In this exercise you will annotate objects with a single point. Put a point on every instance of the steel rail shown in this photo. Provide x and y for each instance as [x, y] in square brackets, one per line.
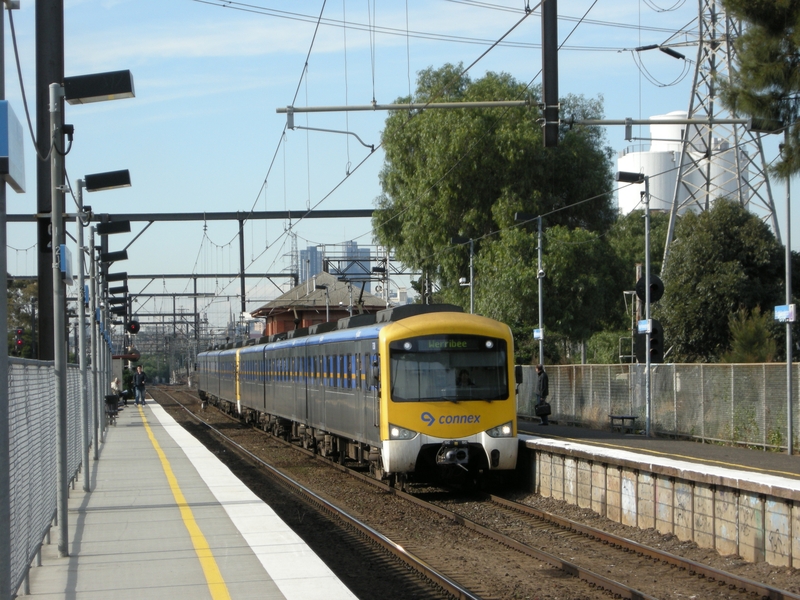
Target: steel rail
[417, 564]
[622, 590]
[590, 577]
[691, 566]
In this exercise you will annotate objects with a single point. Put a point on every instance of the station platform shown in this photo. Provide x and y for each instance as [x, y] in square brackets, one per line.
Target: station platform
[738, 501]
[166, 519]
[746, 460]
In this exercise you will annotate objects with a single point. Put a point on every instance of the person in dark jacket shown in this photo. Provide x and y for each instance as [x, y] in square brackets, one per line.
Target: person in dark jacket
[139, 381]
[542, 390]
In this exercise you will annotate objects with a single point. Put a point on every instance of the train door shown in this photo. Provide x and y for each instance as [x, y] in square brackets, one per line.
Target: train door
[237, 381]
[369, 395]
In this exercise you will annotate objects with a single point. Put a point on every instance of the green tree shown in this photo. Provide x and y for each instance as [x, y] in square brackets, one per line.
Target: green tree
[582, 284]
[22, 295]
[765, 83]
[627, 240]
[721, 260]
[752, 340]
[466, 173]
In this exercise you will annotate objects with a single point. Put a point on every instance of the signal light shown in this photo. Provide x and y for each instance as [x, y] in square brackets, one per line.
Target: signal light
[19, 342]
[133, 327]
[656, 343]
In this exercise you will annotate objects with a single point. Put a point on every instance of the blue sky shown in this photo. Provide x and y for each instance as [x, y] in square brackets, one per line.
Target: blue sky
[203, 135]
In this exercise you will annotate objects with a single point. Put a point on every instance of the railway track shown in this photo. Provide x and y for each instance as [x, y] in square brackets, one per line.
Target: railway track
[515, 534]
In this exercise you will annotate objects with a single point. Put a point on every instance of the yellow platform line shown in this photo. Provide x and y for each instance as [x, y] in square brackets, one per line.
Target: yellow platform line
[216, 584]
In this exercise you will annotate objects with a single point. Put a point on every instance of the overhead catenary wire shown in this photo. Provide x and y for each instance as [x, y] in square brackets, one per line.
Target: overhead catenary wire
[374, 29]
[252, 8]
[290, 228]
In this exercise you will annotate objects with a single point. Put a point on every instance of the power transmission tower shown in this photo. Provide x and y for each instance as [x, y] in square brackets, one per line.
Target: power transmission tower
[294, 256]
[718, 160]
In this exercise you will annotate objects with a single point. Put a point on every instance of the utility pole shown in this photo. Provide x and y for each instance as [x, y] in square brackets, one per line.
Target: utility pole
[49, 69]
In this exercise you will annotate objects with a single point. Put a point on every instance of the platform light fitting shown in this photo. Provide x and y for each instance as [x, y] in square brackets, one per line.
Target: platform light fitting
[119, 310]
[629, 177]
[122, 289]
[108, 257]
[107, 181]
[122, 300]
[113, 227]
[97, 87]
[117, 276]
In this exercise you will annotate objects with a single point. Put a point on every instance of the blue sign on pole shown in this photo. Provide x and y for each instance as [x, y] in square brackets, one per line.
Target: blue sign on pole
[12, 156]
[785, 313]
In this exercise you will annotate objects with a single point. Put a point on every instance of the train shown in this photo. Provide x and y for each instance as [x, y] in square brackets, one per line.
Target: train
[411, 393]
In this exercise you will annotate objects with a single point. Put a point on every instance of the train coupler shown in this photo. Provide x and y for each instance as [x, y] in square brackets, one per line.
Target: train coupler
[454, 452]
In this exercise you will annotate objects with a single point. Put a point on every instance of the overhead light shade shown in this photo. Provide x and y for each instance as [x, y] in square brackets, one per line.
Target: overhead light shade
[629, 177]
[122, 300]
[107, 181]
[117, 277]
[122, 289]
[759, 125]
[113, 227]
[108, 257]
[118, 310]
[98, 87]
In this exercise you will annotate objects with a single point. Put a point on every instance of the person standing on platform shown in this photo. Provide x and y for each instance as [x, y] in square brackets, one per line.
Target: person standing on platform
[542, 391]
[139, 381]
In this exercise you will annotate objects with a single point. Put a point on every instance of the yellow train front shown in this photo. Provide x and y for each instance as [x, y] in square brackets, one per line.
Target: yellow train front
[447, 396]
[413, 392]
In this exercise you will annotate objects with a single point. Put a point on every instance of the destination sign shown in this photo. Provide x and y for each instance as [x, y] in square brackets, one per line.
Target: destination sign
[448, 343]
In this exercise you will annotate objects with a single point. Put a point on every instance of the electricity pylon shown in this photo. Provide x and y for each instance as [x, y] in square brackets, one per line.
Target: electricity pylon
[718, 160]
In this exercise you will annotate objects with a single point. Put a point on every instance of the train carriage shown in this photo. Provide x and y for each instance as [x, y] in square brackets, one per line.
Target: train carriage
[414, 391]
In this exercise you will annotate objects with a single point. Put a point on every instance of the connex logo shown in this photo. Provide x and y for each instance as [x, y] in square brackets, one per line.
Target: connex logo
[450, 419]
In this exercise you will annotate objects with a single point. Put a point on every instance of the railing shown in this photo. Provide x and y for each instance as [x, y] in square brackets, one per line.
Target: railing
[721, 403]
[33, 454]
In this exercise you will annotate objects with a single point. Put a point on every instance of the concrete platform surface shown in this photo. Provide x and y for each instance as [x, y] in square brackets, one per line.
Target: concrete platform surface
[167, 520]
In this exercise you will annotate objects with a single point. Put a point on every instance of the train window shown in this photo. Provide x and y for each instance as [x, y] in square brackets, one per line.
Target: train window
[349, 382]
[337, 369]
[328, 370]
[448, 368]
[358, 372]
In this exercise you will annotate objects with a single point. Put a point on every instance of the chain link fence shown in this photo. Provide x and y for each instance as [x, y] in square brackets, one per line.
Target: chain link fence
[721, 403]
[33, 454]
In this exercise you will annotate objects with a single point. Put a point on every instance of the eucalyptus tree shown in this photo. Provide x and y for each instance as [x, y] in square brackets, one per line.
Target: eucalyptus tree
[466, 172]
[722, 260]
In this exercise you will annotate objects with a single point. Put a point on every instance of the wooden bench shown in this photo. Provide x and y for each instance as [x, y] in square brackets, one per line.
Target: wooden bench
[625, 423]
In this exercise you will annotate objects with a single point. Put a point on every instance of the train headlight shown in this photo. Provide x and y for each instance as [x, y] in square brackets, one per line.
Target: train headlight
[398, 433]
[489, 344]
[501, 431]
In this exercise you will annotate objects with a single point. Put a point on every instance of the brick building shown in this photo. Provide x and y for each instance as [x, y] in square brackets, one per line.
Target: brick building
[319, 299]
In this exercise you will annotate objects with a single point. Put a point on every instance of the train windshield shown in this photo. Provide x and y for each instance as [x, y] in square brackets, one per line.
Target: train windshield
[448, 368]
